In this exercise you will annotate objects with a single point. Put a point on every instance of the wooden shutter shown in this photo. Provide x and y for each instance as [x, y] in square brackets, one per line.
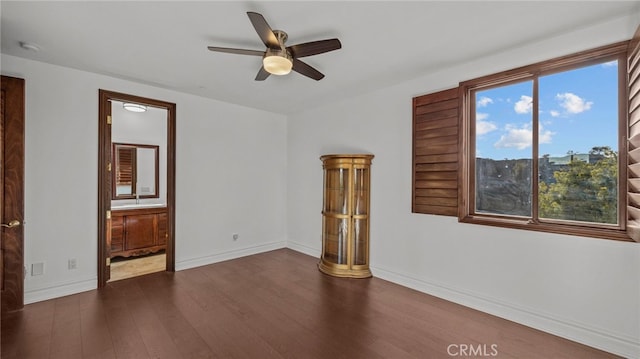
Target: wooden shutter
[125, 164]
[633, 157]
[435, 153]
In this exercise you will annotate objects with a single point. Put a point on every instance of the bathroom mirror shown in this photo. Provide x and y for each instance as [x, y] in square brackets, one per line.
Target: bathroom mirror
[135, 172]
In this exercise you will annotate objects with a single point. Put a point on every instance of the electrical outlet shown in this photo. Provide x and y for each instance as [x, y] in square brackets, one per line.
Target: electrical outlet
[72, 263]
[235, 236]
[37, 269]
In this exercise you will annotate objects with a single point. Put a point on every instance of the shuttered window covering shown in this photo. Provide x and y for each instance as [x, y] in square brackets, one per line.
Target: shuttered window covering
[435, 153]
[124, 169]
[633, 157]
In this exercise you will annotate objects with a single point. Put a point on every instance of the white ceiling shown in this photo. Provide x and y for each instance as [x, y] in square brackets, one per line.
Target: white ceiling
[383, 42]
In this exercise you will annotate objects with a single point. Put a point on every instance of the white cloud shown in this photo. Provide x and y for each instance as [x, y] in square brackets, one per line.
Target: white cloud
[544, 136]
[524, 105]
[554, 113]
[573, 103]
[613, 63]
[484, 127]
[484, 101]
[521, 138]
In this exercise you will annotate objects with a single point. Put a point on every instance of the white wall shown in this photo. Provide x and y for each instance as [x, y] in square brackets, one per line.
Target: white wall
[580, 288]
[231, 176]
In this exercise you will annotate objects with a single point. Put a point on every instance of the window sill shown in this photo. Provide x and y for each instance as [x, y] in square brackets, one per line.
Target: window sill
[525, 224]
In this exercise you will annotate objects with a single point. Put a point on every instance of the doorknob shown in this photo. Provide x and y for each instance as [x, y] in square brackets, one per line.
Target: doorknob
[14, 223]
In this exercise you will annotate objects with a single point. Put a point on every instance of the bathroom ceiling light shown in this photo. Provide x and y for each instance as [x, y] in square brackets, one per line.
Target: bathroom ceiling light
[134, 107]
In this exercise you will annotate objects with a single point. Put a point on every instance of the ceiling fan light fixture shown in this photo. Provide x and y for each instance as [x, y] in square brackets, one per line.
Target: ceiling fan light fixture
[277, 64]
[134, 107]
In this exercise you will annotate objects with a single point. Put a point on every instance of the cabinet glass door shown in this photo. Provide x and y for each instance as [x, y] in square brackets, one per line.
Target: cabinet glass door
[360, 241]
[360, 191]
[336, 187]
[335, 238]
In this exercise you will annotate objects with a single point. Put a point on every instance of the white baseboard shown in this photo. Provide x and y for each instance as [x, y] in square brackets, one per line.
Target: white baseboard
[227, 255]
[60, 290]
[618, 344]
[303, 248]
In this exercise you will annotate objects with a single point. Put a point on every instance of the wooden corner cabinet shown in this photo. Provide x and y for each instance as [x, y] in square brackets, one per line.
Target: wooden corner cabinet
[137, 232]
[345, 215]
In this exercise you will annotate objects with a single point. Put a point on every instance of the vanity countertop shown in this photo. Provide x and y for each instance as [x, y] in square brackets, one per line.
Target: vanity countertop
[137, 206]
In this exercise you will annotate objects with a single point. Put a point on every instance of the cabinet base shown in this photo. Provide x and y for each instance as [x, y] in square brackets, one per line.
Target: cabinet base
[345, 273]
[138, 252]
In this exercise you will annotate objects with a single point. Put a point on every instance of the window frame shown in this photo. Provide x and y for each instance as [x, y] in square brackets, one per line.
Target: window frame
[466, 206]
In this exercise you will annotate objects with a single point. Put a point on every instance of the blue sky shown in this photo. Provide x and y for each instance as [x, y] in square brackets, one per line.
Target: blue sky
[578, 111]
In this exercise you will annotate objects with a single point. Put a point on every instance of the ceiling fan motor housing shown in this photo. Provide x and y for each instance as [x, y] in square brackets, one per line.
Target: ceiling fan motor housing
[281, 36]
[278, 52]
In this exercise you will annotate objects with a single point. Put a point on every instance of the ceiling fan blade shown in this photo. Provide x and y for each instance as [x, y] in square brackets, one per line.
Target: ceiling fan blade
[314, 47]
[306, 70]
[264, 30]
[236, 51]
[262, 74]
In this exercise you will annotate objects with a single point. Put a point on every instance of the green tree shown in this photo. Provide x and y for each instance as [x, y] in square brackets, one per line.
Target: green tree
[583, 191]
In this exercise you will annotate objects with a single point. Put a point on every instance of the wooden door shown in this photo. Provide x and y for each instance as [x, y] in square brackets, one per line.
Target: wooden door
[12, 193]
[108, 234]
[105, 167]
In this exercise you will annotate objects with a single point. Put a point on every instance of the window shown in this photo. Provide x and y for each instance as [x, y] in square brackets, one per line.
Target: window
[543, 147]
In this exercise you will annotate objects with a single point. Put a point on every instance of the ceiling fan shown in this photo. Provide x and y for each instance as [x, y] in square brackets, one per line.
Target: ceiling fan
[278, 59]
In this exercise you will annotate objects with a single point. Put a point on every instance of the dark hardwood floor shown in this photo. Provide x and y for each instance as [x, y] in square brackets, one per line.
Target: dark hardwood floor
[270, 305]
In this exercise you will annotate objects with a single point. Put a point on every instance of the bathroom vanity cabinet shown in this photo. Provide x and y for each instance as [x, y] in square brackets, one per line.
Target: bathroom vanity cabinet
[138, 231]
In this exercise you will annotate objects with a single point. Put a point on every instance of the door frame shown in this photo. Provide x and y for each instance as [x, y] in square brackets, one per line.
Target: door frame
[104, 176]
[12, 203]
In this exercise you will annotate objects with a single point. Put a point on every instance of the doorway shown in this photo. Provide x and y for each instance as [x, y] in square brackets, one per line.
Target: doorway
[136, 190]
[12, 142]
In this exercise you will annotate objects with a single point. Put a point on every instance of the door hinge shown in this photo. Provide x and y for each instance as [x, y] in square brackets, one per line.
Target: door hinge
[109, 167]
[108, 261]
[108, 119]
[109, 214]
